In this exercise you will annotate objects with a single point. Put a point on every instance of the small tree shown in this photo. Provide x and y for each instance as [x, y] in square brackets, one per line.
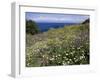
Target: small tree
[31, 27]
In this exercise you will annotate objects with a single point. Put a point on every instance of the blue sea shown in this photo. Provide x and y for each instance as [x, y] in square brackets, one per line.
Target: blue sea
[46, 26]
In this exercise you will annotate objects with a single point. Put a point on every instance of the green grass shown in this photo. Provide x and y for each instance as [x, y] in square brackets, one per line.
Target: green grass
[62, 46]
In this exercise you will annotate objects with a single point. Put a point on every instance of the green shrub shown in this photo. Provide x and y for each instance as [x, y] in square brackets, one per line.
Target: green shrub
[31, 27]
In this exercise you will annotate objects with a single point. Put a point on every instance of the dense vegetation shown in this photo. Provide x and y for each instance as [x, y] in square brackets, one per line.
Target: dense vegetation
[62, 46]
[31, 27]
[86, 21]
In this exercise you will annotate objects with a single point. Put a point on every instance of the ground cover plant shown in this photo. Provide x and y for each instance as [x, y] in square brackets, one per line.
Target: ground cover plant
[67, 45]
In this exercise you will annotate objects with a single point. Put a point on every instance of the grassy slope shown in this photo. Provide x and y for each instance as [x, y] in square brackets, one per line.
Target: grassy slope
[63, 46]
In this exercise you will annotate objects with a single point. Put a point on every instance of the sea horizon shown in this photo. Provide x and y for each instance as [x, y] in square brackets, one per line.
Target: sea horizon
[43, 27]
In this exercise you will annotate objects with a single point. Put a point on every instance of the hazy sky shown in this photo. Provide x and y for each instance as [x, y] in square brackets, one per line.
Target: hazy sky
[55, 18]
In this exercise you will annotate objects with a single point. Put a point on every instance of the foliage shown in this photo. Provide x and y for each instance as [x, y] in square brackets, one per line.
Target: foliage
[31, 27]
[86, 21]
[62, 46]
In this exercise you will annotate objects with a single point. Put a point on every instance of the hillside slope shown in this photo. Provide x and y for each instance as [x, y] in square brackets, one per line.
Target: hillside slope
[63, 46]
